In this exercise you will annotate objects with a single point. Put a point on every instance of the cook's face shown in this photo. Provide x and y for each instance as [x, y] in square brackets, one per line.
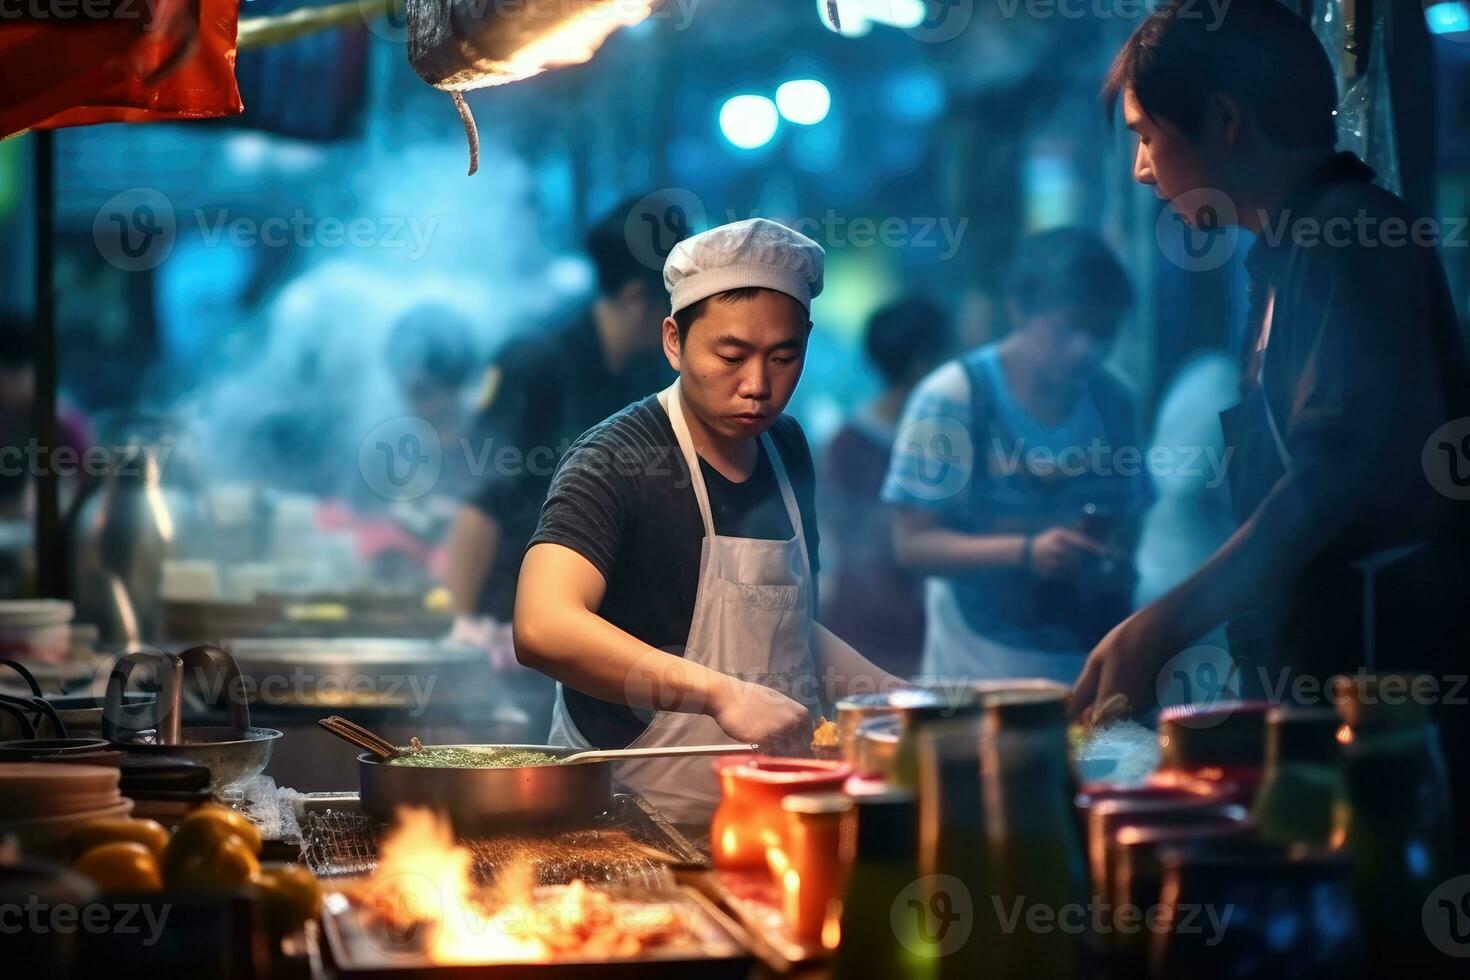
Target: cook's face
[740, 362]
[1167, 159]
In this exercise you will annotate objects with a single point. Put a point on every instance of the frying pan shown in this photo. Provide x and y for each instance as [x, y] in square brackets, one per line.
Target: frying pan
[572, 792]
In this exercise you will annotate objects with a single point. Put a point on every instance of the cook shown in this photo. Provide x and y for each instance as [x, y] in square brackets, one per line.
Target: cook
[1351, 552]
[670, 585]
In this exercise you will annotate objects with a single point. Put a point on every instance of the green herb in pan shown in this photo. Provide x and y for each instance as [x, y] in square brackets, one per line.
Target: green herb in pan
[448, 757]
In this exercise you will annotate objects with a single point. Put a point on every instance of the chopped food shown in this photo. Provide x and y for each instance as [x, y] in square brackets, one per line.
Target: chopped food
[450, 757]
[825, 736]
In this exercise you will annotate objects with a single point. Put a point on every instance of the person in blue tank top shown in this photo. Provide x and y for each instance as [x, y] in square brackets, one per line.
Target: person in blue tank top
[1017, 480]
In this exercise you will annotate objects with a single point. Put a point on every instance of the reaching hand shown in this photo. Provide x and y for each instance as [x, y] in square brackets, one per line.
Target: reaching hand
[1123, 669]
[750, 713]
[1059, 553]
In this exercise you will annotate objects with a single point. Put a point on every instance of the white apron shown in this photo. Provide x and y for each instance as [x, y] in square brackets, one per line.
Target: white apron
[752, 620]
[953, 651]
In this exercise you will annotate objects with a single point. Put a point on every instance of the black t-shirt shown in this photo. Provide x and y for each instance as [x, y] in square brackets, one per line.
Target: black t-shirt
[622, 499]
[549, 388]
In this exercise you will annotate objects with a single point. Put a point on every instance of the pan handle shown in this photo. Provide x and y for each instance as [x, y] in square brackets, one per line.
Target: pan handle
[620, 755]
[351, 731]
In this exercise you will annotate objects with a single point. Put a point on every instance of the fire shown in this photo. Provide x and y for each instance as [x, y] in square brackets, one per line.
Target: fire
[424, 878]
[573, 42]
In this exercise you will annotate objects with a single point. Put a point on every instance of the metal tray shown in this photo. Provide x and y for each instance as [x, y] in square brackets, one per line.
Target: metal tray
[349, 951]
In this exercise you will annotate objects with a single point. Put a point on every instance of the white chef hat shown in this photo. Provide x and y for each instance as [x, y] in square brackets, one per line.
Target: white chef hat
[754, 252]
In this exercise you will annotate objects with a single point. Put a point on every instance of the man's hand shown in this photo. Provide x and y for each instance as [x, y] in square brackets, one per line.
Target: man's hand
[751, 713]
[1059, 553]
[1127, 662]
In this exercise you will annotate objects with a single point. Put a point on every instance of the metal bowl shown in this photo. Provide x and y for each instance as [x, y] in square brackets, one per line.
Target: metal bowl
[231, 754]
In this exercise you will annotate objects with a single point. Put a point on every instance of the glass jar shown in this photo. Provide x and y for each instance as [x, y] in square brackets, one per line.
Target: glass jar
[878, 936]
[1136, 877]
[1303, 779]
[1248, 908]
[1400, 853]
[952, 842]
[815, 862]
[1033, 861]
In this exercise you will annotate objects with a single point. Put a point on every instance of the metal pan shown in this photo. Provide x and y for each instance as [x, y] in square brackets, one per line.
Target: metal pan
[476, 798]
[573, 792]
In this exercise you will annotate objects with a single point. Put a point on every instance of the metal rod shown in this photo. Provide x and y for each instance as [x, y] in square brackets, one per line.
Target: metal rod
[50, 565]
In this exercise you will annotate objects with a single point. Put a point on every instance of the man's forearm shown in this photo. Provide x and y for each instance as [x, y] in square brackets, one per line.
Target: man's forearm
[586, 652]
[842, 671]
[1261, 558]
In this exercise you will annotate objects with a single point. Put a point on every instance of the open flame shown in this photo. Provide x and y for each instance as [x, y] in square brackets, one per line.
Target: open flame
[424, 879]
[571, 42]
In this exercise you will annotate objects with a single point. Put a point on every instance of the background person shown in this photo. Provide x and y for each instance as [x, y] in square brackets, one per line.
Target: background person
[1027, 543]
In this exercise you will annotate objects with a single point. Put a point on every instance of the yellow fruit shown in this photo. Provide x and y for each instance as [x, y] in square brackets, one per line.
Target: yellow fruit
[121, 866]
[233, 819]
[207, 855]
[149, 833]
[292, 895]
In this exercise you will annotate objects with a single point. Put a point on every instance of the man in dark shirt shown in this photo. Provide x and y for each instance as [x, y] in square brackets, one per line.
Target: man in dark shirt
[1351, 549]
[544, 390]
[670, 585]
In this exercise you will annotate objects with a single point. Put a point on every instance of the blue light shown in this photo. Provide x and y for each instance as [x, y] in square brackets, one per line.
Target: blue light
[1448, 18]
[804, 101]
[749, 121]
[916, 94]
